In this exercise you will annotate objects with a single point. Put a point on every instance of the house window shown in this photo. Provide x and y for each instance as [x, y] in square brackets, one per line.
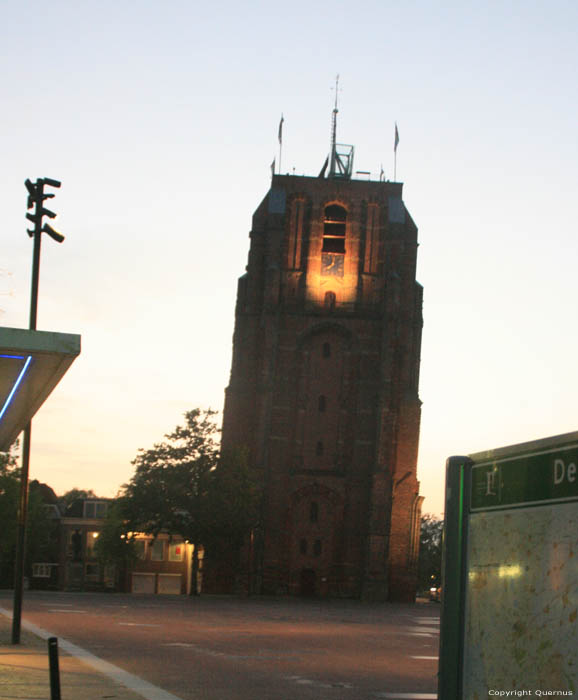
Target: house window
[334, 229]
[303, 546]
[176, 551]
[95, 509]
[41, 570]
[321, 403]
[91, 538]
[91, 572]
[326, 350]
[319, 448]
[157, 550]
[314, 512]
[140, 548]
[317, 548]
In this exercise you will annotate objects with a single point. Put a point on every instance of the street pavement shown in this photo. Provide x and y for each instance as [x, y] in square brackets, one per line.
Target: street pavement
[213, 648]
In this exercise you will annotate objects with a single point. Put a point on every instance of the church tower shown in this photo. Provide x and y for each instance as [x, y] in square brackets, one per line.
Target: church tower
[324, 385]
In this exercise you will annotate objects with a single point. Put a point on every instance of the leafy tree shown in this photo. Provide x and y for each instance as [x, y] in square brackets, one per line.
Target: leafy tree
[76, 494]
[114, 546]
[170, 487]
[430, 552]
[234, 498]
[38, 527]
[184, 486]
[9, 500]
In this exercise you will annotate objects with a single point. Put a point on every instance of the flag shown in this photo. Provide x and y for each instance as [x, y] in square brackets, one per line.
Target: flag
[281, 130]
[396, 138]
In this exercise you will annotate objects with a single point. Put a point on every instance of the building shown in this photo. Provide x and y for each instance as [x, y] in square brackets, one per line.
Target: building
[70, 561]
[324, 385]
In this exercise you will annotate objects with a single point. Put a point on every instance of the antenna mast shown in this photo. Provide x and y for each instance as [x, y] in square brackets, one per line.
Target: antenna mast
[334, 130]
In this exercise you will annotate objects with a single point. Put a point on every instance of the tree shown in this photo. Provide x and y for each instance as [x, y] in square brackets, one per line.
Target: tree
[9, 499]
[184, 486]
[38, 527]
[169, 491]
[430, 552]
[76, 494]
[115, 546]
[234, 498]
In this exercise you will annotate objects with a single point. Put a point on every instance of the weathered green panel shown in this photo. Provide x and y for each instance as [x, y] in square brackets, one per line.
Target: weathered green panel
[526, 480]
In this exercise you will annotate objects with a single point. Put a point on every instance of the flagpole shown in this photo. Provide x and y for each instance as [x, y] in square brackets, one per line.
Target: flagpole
[280, 136]
[395, 142]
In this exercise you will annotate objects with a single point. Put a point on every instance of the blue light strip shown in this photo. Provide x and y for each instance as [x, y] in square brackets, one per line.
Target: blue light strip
[16, 383]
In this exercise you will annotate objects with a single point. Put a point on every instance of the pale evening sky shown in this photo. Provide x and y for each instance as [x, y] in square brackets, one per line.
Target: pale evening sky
[161, 119]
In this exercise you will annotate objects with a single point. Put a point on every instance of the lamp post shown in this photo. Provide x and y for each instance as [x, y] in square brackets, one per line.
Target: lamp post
[36, 197]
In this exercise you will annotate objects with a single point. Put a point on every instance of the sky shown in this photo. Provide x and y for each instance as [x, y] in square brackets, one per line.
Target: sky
[161, 122]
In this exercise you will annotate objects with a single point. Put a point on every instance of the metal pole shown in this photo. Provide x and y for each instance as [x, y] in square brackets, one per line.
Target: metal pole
[54, 668]
[23, 503]
[35, 276]
[21, 538]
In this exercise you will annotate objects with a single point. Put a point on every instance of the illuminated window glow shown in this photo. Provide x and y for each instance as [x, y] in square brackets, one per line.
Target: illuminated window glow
[17, 382]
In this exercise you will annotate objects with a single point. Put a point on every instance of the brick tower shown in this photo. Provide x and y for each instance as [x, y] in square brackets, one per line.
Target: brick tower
[324, 385]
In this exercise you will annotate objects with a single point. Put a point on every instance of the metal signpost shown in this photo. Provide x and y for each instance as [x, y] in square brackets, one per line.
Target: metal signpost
[36, 197]
[510, 572]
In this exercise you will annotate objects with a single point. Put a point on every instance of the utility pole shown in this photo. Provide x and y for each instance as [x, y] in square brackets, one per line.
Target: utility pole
[36, 197]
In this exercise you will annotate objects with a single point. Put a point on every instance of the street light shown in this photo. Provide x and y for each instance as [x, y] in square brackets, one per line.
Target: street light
[36, 197]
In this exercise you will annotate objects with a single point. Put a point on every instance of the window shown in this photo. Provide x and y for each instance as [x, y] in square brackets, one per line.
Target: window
[157, 550]
[91, 572]
[95, 509]
[41, 570]
[303, 546]
[317, 548]
[321, 404]
[334, 229]
[176, 551]
[329, 301]
[319, 448]
[140, 548]
[326, 350]
[91, 538]
[314, 512]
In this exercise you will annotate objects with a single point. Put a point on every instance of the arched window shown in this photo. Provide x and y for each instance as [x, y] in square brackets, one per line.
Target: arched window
[314, 512]
[329, 301]
[334, 229]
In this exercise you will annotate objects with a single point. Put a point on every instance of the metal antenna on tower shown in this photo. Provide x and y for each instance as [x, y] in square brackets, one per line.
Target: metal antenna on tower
[334, 130]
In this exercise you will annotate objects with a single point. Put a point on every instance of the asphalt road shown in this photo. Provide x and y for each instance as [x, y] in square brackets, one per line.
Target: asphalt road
[224, 648]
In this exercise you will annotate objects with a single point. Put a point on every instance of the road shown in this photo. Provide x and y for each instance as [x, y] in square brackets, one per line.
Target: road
[224, 648]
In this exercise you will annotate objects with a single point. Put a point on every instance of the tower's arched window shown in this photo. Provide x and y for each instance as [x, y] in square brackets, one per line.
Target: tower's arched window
[334, 229]
[329, 301]
[314, 512]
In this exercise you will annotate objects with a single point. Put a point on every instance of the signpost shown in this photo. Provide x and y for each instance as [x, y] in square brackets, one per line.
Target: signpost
[510, 572]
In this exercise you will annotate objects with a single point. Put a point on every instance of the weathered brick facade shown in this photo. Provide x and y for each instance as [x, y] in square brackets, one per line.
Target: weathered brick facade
[324, 388]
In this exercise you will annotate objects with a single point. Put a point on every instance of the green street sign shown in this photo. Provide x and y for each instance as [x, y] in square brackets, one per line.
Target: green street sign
[529, 479]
